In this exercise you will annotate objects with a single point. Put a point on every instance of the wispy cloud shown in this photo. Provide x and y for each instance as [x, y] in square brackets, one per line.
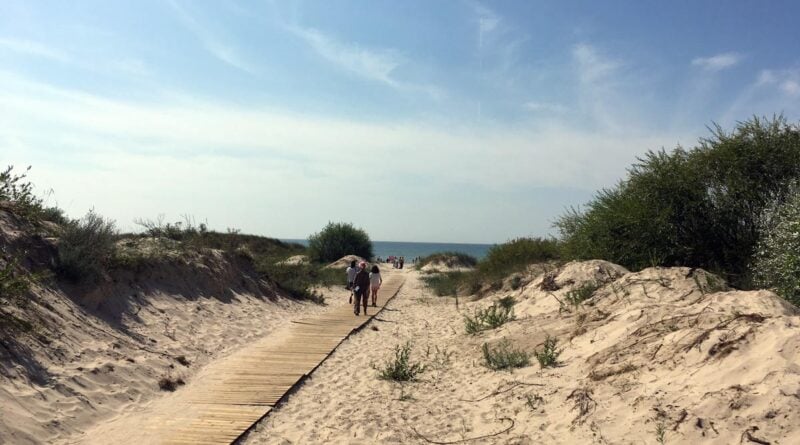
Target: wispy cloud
[32, 48]
[223, 51]
[772, 91]
[544, 107]
[487, 21]
[718, 62]
[373, 64]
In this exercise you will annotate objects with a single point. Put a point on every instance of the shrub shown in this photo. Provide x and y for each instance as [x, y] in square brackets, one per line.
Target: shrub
[492, 317]
[13, 188]
[54, 214]
[447, 283]
[504, 356]
[85, 247]
[515, 255]
[13, 282]
[337, 240]
[548, 356]
[776, 262]
[299, 279]
[450, 259]
[577, 296]
[696, 208]
[401, 369]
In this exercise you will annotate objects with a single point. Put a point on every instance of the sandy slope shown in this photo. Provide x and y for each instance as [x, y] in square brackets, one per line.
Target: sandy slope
[661, 349]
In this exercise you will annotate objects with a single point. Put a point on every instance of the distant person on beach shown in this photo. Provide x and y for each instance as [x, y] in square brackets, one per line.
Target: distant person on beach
[375, 282]
[402, 260]
[351, 276]
[361, 288]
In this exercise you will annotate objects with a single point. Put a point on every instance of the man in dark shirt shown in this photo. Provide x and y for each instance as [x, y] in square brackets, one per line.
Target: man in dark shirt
[361, 287]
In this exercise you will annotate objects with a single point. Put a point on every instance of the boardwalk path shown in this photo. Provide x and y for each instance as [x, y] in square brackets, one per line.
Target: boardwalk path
[247, 388]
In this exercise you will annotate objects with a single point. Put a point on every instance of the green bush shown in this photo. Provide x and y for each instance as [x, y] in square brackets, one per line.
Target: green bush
[14, 280]
[776, 263]
[697, 208]
[491, 317]
[451, 259]
[504, 356]
[337, 240]
[299, 279]
[548, 356]
[14, 189]
[504, 259]
[85, 247]
[448, 283]
[401, 369]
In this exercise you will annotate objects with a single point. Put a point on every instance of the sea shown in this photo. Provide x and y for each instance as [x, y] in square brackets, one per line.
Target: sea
[409, 250]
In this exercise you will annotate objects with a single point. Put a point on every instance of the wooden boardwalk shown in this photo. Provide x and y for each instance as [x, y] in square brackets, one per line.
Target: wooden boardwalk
[246, 390]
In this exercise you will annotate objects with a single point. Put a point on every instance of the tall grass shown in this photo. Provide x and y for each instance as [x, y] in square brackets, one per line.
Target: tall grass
[85, 247]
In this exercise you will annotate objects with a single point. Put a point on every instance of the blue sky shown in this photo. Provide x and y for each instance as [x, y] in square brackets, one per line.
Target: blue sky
[450, 121]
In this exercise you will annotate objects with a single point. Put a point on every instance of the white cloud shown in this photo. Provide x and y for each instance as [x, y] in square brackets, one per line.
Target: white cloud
[33, 49]
[791, 87]
[593, 66]
[373, 64]
[718, 62]
[223, 51]
[488, 21]
[544, 107]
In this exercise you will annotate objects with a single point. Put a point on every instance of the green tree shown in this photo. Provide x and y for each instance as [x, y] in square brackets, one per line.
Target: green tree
[337, 240]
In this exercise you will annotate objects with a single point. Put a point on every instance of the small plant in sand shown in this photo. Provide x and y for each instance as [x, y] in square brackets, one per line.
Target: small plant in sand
[491, 317]
[168, 383]
[548, 356]
[401, 369]
[503, 356]
[661, 432]
[576, 297]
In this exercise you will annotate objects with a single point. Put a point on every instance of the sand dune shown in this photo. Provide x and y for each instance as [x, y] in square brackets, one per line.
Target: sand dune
[663, 351]
[659, 350]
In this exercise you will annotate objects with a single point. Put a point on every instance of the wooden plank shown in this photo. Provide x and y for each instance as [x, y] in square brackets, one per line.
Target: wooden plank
[250, 385]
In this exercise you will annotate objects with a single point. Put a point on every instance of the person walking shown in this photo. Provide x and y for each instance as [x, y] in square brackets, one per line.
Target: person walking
[351, 276]
[361, 289]
[375, 282]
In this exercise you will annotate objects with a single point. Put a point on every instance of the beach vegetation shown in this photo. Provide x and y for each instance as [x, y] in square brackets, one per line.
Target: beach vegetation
[504, 356]
[400, 368]
[776, 263]
[17, 192]
[449, 283]
[448, 259]
[489, 318]
[698, 207]
[577, 296]
[516, 255]
[336, 240]
[86, 247]
[548, 356]
[502, 260]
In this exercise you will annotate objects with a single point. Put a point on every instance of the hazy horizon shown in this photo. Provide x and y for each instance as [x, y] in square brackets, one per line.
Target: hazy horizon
[447, 122]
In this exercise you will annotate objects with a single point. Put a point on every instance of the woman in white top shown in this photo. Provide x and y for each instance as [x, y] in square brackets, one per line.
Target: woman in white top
[375, 282]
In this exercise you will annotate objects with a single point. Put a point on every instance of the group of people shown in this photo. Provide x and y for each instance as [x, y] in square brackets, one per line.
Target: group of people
[397, 261]
[360, 283]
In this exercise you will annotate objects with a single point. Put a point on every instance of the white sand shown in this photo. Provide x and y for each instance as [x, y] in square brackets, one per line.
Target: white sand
[636, 358]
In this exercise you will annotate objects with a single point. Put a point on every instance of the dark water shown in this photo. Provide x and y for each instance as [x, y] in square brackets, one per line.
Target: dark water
[410, 251]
